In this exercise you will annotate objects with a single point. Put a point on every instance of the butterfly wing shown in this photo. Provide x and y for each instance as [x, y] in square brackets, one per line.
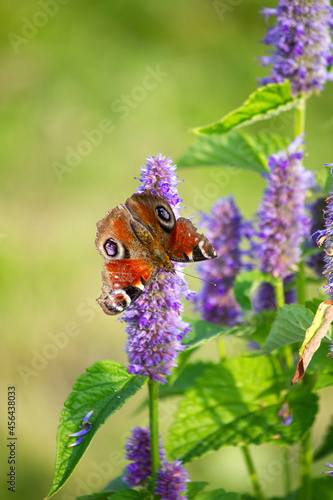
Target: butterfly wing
[185, 244]
[123, 283]
[179, 239]
[127, 269]
[154, 213]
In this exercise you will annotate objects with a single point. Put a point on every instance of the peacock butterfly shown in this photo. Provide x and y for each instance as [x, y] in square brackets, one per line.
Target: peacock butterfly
[136, 240]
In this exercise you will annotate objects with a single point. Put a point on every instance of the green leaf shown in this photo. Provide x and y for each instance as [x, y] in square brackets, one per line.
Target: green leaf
[327, 446]
[324, 180]
[128, 495]
[291, 496]
[245, 285]
[219, 494]
[201, 332]
[321, 489]
[234, 150]
[236, 403]
[193, 488]
[322, 367]
[290, 325]
[265, 102]
[313, 304]
[324, 380]
[117, 484]
[269, 143]
[101, 495]
[185, 380]
[105, 387]
[261, 324]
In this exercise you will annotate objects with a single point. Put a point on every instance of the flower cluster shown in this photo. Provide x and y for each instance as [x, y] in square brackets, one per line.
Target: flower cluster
[325, 239]
[265, 295]
[225, 229]
[138, 451]
[171, 477]
[171, 481]
[301, 40]
[316, 261]
[155, 327]
[283, 222]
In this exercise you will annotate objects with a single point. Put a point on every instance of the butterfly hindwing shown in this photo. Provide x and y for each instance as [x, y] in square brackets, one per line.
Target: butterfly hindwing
[123, 283]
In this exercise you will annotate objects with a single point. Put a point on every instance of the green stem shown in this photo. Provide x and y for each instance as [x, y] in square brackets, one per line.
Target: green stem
[306, 451]
[279, 296]
[279, 292]
[253, 474]
[153, 425]
[221, 348]
[300, 275]
[287, 481]
[300, 117]
[288, 355]
[306, 461]
[301, 284]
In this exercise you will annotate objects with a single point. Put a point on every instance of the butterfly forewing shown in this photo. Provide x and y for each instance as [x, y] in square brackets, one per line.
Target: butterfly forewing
[185, 244]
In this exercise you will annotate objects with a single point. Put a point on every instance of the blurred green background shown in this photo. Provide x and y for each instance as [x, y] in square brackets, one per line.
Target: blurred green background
[67, 67]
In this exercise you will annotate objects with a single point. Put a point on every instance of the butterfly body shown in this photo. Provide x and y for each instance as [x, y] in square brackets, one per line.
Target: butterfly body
[136, 240]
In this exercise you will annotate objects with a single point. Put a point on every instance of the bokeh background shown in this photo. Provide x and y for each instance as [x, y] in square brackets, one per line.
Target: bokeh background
[69, 68]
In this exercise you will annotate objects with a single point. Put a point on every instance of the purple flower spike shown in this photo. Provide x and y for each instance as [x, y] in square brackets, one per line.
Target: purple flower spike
[330, 472]
[85, 428]
[283, 223]
[155, 327]
[265, 296]
[138, 451]
[316, 262]
[171, 481]
[301, 41]
[225, 229]
[325, 240]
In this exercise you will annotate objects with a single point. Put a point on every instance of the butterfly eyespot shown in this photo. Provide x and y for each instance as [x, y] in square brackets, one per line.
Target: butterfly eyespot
[163, 214]
[165, 218]
[111, 247]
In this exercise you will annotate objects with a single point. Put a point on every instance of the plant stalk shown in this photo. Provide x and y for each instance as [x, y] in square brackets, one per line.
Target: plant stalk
[287, 480]
[279, 296]
[300, 117]
[153, 425]
[253, 474]
[288, 356]
[300, 275]
[221, 348]
[306, 461]
[306, 451]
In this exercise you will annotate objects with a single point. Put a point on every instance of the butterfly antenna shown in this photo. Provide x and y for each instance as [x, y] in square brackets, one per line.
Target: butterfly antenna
[197, 277]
